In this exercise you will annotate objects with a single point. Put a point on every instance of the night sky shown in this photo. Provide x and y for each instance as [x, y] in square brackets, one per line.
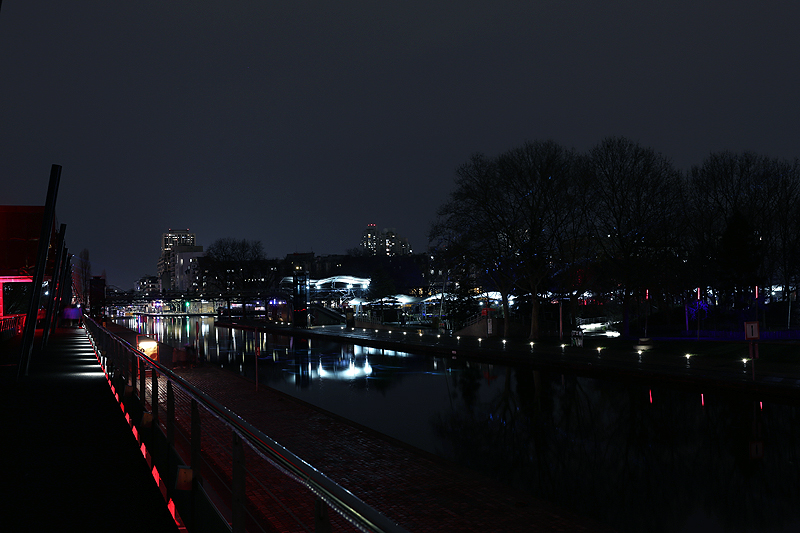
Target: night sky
[298, 123]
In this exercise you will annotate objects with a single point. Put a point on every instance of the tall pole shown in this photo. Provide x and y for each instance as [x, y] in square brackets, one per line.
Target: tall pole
[41, 265]
[55, 285]
[64, 284]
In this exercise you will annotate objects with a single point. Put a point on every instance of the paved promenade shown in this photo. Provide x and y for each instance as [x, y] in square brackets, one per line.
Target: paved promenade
[69, 461]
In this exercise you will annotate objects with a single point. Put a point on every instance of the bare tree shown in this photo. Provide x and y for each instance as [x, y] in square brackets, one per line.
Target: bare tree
[733, 219]
[476, 225]
[235, 265]
[636, 196]
[536, 179]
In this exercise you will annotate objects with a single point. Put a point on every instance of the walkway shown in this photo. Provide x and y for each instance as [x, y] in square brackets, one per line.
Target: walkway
[68, 459]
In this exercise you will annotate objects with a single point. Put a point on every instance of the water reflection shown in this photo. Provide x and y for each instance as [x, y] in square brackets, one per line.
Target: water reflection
[635, 456]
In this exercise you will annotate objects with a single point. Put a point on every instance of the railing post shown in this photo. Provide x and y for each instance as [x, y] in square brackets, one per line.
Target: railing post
[154, 405]
[170, 436]
[133, 371]
[237, 484]
[322, 522]
[195, 459]
[142, 388]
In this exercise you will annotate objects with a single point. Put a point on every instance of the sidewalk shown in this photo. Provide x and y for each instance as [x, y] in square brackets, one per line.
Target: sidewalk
[68, 458]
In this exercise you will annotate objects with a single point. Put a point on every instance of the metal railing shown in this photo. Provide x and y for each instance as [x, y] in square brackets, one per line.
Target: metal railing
[12, 323]
[250, 491]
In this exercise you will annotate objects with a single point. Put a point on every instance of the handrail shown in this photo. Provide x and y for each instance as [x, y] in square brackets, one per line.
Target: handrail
[11, 323]
[352, 508]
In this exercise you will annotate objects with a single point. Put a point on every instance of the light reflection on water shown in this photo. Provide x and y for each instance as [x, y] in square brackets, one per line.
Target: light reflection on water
[637, 456]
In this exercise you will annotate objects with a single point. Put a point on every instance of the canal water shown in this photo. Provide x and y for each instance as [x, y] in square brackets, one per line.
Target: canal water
[635, 456]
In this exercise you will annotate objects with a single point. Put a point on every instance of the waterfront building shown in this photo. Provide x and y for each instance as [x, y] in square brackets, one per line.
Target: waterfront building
[173, 243]
[146, 285]
[186, 267]
[20, 230]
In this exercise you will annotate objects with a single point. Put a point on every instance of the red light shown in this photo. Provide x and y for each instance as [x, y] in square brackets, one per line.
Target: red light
[761, 405]
[702, 400]
[651, 396]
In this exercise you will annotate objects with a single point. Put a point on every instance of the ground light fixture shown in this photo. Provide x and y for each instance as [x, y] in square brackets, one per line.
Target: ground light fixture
[147, 346]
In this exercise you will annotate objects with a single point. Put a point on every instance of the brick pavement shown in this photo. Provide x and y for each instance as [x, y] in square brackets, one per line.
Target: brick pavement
[417, 490]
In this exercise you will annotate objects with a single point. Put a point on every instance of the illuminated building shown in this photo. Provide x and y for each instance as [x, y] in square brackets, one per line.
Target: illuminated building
[177, 246]
[386, 242]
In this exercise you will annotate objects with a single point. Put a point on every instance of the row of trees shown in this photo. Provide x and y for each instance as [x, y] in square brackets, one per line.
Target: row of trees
[620, 221]
[237, 266]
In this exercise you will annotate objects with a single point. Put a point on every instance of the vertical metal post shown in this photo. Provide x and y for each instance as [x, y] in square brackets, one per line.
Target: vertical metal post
[154, 402]
[38, 273]
[195, 459]
[65, 280]
[322, 522]
[195, 441]
[55, 280]
[256, 354]
[142, 388]
[170, 436]
[237, 485]
[134, 372]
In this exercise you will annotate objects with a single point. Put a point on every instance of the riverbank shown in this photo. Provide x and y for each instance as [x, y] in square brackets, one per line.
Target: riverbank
[775, 372]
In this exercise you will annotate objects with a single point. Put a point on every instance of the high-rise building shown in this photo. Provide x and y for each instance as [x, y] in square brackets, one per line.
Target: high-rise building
[386, 242]
[369, 239]
[177, 237]
[175, 245]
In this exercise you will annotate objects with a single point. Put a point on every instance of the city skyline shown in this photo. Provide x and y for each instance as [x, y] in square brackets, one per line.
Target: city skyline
[297, 124]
